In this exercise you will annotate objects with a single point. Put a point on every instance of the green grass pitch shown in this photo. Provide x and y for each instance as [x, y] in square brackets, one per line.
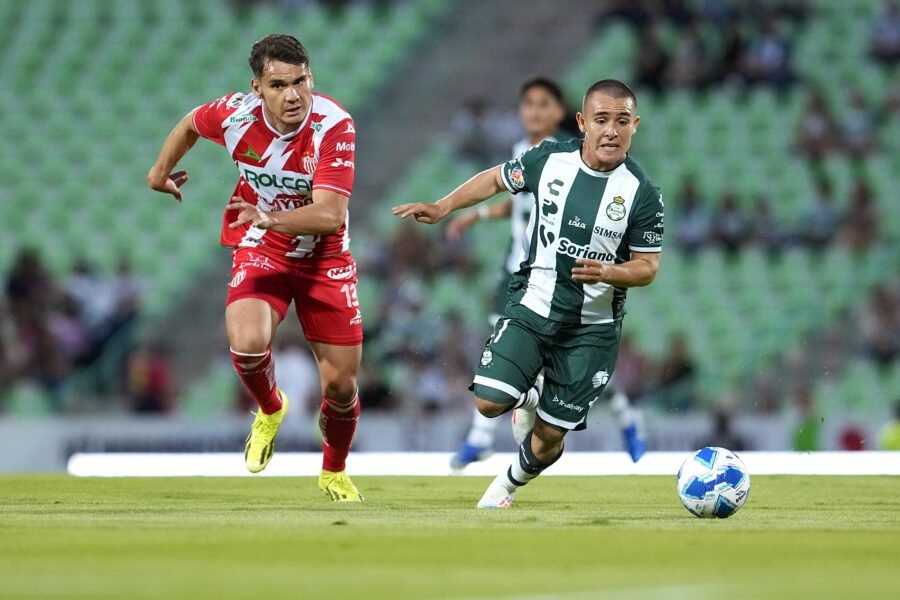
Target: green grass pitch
[420, 537]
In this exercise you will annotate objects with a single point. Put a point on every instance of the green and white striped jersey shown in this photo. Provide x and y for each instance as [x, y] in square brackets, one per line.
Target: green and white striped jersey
[580, 213]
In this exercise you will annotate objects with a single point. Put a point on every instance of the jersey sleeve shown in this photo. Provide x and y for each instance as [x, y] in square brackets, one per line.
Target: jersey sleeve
[645, 234]
[522, 173]
[336, 166]
[208, 118]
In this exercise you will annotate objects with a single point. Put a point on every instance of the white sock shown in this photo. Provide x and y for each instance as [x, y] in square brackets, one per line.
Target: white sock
[483, 431]
[622, 411]
[524, 467]
[529, 400]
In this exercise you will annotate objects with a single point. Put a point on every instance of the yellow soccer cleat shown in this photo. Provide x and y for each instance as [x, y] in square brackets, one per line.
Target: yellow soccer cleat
[260, 444]
[338, 487]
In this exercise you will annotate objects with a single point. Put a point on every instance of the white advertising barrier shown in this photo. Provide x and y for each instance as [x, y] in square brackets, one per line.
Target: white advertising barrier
[437, 463]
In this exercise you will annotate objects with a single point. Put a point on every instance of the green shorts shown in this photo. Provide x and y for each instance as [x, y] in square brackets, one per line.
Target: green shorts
[577, 360]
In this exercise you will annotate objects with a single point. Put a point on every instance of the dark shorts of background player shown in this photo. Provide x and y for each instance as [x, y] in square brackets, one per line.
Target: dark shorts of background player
[578, 361]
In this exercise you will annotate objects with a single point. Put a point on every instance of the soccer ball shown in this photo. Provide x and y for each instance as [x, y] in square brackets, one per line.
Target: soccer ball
[713, 483]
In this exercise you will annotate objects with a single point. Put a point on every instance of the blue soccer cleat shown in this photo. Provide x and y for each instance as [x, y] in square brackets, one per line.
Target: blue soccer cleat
[467, 454]
[636, 445]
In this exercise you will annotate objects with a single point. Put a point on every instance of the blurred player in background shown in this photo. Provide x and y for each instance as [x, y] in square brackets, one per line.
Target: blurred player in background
[541, 110]
[287, 220]
[596, 230]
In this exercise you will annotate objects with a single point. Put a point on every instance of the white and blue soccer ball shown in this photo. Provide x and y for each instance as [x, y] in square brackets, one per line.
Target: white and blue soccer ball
[713, 483]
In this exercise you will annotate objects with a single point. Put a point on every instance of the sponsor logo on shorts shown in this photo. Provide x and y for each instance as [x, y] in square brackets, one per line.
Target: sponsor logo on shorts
[487, 357]
[600, 378]
[615, 210]
[238, 278]
[357, 320]
[345, 272]
[256, 261]
[568, 405]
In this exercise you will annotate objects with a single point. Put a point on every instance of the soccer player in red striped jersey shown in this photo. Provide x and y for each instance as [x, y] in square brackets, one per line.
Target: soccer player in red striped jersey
[287, 222]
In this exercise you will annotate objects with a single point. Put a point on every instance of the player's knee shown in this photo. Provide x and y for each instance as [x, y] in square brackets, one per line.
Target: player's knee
[249, 342]
[489, 409]
[341, 388]
[547, 436]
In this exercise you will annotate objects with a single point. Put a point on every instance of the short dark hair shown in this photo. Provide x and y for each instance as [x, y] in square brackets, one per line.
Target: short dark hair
[548, 85]
[276, 46]
[611, 87]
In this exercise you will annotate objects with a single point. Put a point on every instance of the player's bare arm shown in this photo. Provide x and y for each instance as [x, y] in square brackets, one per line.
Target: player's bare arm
[637, 272]
[498, 210]
[179, 141]
[478, 189]
[325, 215]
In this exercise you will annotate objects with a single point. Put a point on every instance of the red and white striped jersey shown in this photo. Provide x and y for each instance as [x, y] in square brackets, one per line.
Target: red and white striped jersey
[279, 172]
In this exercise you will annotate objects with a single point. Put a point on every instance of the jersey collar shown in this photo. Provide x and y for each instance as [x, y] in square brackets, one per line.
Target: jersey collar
[288, 136]
[595, 173]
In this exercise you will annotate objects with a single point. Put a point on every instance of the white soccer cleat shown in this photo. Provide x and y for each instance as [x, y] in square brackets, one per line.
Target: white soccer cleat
[523, 418]
[496, 496]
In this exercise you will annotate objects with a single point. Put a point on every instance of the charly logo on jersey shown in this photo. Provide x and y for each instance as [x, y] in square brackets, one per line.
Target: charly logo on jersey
[576, 222]
[251, 154]
[570, 248]
[600, 378]
[615, 210]
[340, 162]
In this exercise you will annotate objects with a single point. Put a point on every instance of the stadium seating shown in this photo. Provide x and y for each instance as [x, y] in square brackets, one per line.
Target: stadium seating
[113, 81]
[743, 312]
[91, 88]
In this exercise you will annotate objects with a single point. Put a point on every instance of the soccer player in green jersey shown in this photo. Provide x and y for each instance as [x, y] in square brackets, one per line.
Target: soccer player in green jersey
[596, 230]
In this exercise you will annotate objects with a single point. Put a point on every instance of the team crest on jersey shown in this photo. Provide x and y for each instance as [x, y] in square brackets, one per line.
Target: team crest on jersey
[651, 237]
[487, 357]
[238, 278]
[517, 177]
[309, 161]
[615, 210]
[236, 101]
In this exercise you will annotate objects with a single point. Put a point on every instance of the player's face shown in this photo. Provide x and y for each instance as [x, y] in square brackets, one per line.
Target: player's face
[540, 112]
[608, 124]
[286, 91]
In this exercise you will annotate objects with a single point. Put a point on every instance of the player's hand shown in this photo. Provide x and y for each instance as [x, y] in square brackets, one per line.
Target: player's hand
[459, 225]
[589, 271]
[249, 214]
[168, 185]
[423, 212]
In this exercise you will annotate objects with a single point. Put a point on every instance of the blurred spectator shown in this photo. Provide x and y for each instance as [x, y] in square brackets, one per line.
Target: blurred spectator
[732, 53]
[481, 134]
[93, 293]
[853, 439]
[814, 137]
[821, 218]
[858, 127]
[694, 222]
[723, 434]
[889, 437]
[73, 337]
[729, 226]
[767, 60]
[676, 375]
[880, 326]
[806, 437]
[860, 221]
[632, 368]
[765, 230]
[150, 380]
[28, 285]
[689, 66]
[298, 375]
[884, 42]
[652, 60]
[374, 390]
